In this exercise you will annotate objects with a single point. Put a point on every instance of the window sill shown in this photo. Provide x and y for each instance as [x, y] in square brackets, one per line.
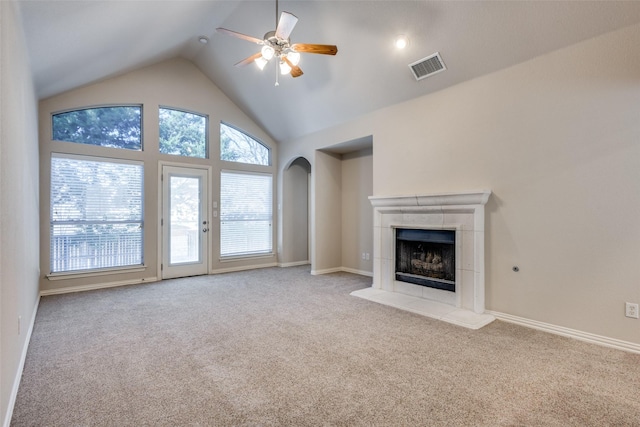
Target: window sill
[249, 256]
[97, 272]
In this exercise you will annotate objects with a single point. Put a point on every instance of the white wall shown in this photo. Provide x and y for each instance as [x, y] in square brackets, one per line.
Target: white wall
[18, 204]
[175, 83]
[556, 139]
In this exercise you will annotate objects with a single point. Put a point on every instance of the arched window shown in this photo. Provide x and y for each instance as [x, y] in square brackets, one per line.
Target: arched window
[237, 146]
[113, 127]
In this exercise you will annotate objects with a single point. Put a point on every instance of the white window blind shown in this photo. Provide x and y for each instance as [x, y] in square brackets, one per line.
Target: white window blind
[96, 213]
[245, 213]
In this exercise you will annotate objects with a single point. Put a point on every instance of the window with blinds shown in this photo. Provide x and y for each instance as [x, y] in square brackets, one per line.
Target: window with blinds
[246, 203]
[96, 213]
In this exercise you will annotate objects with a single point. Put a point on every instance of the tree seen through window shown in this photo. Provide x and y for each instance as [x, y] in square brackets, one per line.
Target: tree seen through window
[113, 127]
[183, 133]
[237, 146]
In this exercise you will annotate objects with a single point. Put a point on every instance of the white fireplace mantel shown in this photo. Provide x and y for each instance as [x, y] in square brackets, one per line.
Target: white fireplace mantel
[461, 212]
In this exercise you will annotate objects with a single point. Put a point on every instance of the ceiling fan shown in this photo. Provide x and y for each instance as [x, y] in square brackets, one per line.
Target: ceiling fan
[276, 44]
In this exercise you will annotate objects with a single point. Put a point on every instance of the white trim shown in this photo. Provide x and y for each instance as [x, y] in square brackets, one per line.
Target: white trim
[23, 357]
[359, 272]
[341, 270]
[76, 274]
[232, 258]
[96, 158]
[326, 271]
[70, 289]
[293, 264]
[242, 268]
[439, 199]
[568, 332]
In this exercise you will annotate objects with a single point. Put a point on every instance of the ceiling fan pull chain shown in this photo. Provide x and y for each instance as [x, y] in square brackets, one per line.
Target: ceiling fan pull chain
[277, 73]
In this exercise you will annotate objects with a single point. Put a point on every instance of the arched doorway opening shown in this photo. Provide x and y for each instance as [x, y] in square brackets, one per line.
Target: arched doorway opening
[295, 214]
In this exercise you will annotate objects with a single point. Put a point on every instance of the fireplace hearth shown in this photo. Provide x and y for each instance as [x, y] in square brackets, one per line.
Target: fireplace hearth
[426, 258]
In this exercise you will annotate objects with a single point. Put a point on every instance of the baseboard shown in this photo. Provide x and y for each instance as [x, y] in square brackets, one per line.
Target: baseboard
[360, 272]
[567, 332]
[96, 286]
[293, 264]
[326, 271]
[23, 358]
[341, 270]
[243, 268]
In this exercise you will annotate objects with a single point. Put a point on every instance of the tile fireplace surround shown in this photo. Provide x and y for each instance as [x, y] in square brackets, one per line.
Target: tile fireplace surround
[462, 212]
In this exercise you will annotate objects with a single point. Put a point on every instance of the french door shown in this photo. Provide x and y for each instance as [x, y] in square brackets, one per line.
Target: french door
[184, 222]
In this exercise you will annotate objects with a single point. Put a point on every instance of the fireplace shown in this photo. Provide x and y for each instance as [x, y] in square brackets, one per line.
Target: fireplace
[429, 256]
[426, 258]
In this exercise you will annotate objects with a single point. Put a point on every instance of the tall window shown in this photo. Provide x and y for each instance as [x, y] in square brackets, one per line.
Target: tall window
[96, 213]
[183, 133]
[237, 146]
[114, 127]
[245, 213]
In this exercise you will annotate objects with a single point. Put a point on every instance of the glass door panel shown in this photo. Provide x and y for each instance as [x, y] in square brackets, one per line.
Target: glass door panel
[184, 222]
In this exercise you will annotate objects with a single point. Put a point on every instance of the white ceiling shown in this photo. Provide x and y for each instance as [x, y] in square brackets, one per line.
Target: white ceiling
[74, 43]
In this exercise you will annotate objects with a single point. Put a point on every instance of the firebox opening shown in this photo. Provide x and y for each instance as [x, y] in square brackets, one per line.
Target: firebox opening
[426, 258]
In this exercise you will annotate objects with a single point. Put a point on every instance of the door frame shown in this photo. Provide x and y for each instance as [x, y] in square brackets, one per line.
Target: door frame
[207, 260]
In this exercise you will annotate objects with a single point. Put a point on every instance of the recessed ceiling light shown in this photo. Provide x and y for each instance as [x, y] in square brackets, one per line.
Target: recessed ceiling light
[401, 41]
[203, 39]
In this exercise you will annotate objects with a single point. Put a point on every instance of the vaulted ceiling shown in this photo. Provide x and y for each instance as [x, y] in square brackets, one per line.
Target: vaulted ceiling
[74, 43]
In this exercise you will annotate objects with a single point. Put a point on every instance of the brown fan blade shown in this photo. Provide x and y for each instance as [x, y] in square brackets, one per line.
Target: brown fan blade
[239, 35]
[285, 25]
[323, 49]
[295, 70]
[248, 60]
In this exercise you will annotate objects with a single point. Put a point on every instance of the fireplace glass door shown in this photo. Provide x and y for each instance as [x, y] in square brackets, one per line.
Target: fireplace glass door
[426, 258]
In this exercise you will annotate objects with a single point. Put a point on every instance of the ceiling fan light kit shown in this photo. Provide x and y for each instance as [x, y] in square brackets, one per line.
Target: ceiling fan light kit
[277, 44]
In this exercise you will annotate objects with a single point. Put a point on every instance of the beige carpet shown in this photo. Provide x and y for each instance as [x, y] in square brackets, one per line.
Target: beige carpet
[279, 347]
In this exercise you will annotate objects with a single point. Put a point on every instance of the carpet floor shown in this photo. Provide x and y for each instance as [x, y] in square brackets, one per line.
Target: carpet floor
[279, 347]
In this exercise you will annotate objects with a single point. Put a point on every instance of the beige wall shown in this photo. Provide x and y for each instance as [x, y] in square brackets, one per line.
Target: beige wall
[357, 212]
[18, 204]
[556, 139]
[295, 213]
[175, 83]
[341, 217]
[326, 234]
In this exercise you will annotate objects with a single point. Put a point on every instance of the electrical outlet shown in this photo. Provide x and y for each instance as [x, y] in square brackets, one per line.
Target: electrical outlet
[368, 256]
[631, 310]
[363, 255]
[19, 325]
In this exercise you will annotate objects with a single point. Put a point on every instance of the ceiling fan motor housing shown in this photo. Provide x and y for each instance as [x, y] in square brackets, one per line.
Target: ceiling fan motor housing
[279, 45]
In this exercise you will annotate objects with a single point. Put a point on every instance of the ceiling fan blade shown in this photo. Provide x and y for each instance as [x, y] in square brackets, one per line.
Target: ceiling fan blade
[323, 49]
[248, 60]
[295, 70]
[240, 35]
[285, 25]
